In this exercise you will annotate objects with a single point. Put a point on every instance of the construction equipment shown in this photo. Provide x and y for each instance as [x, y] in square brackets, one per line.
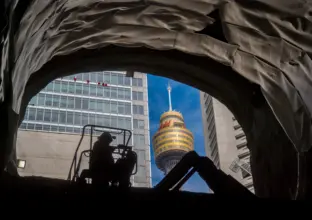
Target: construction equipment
[217, 180]
[120, 152]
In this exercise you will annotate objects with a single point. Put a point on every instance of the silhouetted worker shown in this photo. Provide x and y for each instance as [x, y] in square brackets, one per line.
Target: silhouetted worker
[123, 169]
[102, 161]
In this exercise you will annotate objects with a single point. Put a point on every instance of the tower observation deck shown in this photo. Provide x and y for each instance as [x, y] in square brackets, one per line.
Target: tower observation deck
[172, 140]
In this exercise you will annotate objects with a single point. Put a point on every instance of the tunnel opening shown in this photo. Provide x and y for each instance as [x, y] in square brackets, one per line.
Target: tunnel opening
[265, 135]
[54, 119]
[236, 92]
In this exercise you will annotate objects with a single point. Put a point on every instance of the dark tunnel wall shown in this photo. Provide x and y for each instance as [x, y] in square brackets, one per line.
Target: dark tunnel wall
[273, 156]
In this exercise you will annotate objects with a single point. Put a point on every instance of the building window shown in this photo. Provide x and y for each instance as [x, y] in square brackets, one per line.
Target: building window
[62, 129]
[128, 123]
[137, 95]
[114, 107]
[85, 89]
[137, 82]
[30, 126]
[71, 102]
[244, 144]
[47, 115]
[139, 140]
[32, 114]
[85, 104]
[113, 93]
[120, 79]
[121, 122]
[41, 99]
[46, 127]
[55, 114]
[107, 77]
[138, 124]
[92, 90]
[127, 81]
[63, 101]
[64, 87]
[210, 118]
[62, 117]
[244, 155]
[240, 136]
[100, 105]
[38, 127]
[141, 156]
[92, 105]
[100, 91]
[237, 127]
[121, 93]
[70, 118]
[114, 121]
[56, 101]
[79, 88]
[39, 115]
[212, 134]
[91, 77]
[114, 79]
[57, 87]
[49, 87]
[71, 88]
[77, 118]
[84, 119]
[138, 110]
[100, 77]
[127, 109]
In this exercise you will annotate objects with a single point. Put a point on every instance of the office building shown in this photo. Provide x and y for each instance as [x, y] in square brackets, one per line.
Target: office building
[51, 129]
[225, 141]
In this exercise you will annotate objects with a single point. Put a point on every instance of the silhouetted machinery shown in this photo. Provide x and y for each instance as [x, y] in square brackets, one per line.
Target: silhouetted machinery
[117, 163]
[105, 179]
[107, 164]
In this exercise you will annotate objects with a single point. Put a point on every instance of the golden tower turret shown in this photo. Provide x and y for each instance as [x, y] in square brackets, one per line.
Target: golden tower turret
[172, 140]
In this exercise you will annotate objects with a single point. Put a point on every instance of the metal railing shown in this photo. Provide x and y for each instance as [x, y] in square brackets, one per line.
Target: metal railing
[237, 163]
[74, 168]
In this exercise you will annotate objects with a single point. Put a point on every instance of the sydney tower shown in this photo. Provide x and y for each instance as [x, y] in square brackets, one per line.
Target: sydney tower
[172, 140]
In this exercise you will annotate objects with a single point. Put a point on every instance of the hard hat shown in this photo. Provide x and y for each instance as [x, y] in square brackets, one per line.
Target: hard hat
[105, 136]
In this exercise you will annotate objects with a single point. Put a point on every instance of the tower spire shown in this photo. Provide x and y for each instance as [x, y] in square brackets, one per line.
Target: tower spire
[169, 94]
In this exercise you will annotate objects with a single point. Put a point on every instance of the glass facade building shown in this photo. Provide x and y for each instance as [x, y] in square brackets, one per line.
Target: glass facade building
[103, 98]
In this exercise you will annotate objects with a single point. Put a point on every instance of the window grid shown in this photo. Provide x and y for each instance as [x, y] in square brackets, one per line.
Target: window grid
[138, 109]
[67, 104]
[138, 124]
[138, 82]
[137, 95]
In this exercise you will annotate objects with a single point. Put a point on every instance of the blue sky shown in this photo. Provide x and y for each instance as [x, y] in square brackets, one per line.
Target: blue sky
[185, 99]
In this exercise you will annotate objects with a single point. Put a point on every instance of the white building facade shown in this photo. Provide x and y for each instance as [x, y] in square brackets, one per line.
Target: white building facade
[225, 141]
[54, 119]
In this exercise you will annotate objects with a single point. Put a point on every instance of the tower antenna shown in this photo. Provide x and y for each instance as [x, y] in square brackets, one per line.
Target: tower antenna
[169, 95]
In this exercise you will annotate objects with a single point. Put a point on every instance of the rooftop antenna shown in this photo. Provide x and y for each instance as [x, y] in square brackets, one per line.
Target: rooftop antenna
[169, 94]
